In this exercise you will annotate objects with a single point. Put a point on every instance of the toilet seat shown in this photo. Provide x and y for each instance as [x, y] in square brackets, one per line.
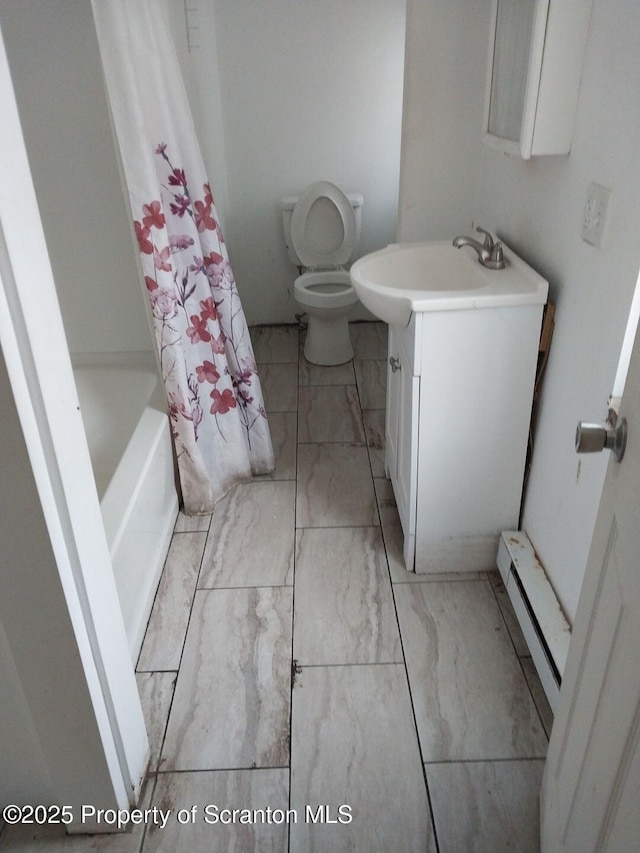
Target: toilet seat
[325, 289]
[302, 227]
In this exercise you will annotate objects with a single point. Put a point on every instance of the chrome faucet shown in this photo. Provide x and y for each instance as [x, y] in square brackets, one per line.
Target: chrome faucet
[489, 252]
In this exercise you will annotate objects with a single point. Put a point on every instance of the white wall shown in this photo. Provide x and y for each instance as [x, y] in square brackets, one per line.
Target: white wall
[537, 207]
[199, 63]
[55, 66]
[447, 46]
[309, 91]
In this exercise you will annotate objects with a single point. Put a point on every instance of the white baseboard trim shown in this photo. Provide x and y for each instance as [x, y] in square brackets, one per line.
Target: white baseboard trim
[541, 619]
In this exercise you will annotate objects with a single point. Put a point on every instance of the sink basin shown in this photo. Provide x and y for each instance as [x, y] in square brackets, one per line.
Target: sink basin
[408, 277]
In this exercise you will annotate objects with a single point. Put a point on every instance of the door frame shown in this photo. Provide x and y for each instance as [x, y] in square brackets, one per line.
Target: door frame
[45, 399]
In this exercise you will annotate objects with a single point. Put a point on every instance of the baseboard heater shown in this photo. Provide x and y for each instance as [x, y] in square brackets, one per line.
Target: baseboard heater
[541, 619]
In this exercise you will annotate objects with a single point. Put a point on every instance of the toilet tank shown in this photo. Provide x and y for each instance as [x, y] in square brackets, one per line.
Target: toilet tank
[289, 202]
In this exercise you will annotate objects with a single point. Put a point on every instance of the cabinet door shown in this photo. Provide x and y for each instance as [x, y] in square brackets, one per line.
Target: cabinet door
[392, 406]
[403, 393]
[405, 484]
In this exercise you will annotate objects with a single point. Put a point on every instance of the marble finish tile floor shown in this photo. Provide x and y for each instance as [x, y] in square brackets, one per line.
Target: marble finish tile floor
[295, 672]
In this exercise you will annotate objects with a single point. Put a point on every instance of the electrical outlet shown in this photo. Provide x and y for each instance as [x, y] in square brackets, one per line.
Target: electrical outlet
[596, 213]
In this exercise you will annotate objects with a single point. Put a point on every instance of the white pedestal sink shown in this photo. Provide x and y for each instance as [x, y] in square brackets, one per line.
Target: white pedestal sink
[463, 350]
[415, 277]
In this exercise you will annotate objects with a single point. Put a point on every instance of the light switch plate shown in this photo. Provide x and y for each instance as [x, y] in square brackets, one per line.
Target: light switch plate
[596, 214]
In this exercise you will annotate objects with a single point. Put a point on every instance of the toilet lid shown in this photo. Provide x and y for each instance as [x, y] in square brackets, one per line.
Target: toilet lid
[323, 226]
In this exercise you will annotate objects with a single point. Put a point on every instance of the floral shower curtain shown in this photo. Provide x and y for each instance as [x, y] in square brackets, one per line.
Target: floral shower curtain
[219, 425]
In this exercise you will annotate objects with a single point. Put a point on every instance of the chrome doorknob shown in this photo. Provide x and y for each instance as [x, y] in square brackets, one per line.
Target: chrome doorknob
[593, 438]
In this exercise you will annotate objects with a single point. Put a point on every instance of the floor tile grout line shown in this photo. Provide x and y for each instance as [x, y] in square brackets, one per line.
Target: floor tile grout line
[328, 441]
[373, 479]
[186, 533]
[153, 671]
[236, 769]
[415, 723]
[511, 759]
[176, 671]
[333, 443]
[406, 672]
[294, 479]
[337, 526]
[329, 385]
[426, 764]
[344, 664]
[404, 659]
[293, 589]
[155, 597]
[363, 407]
[296, 663]
[184, 642]
[341, 527]
[437, 579]
[227, 587]
[359, 395]
[152, 797]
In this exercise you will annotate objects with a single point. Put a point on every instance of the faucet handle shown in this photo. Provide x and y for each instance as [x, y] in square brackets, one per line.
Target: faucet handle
[496, 257]
[488, 238]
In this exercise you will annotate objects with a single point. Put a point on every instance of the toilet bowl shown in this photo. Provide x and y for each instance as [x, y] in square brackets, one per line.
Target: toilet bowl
[327, 297]
[322, 231]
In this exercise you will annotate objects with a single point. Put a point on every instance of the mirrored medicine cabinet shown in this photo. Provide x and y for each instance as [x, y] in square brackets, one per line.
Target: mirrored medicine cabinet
[535, 64]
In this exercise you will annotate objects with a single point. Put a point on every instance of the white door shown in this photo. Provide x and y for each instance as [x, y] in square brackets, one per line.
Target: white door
[591, 785]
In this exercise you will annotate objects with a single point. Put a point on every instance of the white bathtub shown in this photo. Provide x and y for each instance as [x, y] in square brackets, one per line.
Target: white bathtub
[124, 413]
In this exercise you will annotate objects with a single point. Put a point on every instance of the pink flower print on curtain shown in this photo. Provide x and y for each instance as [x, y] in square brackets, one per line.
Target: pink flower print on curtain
[216, 411]
[217, 417]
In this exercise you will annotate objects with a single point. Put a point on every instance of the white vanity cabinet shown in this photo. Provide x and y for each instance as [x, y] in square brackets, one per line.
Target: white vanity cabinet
[459, 396]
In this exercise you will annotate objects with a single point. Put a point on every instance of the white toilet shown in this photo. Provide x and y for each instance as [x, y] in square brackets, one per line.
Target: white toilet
[322, 232]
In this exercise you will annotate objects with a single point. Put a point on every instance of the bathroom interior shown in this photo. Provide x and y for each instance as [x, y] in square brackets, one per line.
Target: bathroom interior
[384, 98]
